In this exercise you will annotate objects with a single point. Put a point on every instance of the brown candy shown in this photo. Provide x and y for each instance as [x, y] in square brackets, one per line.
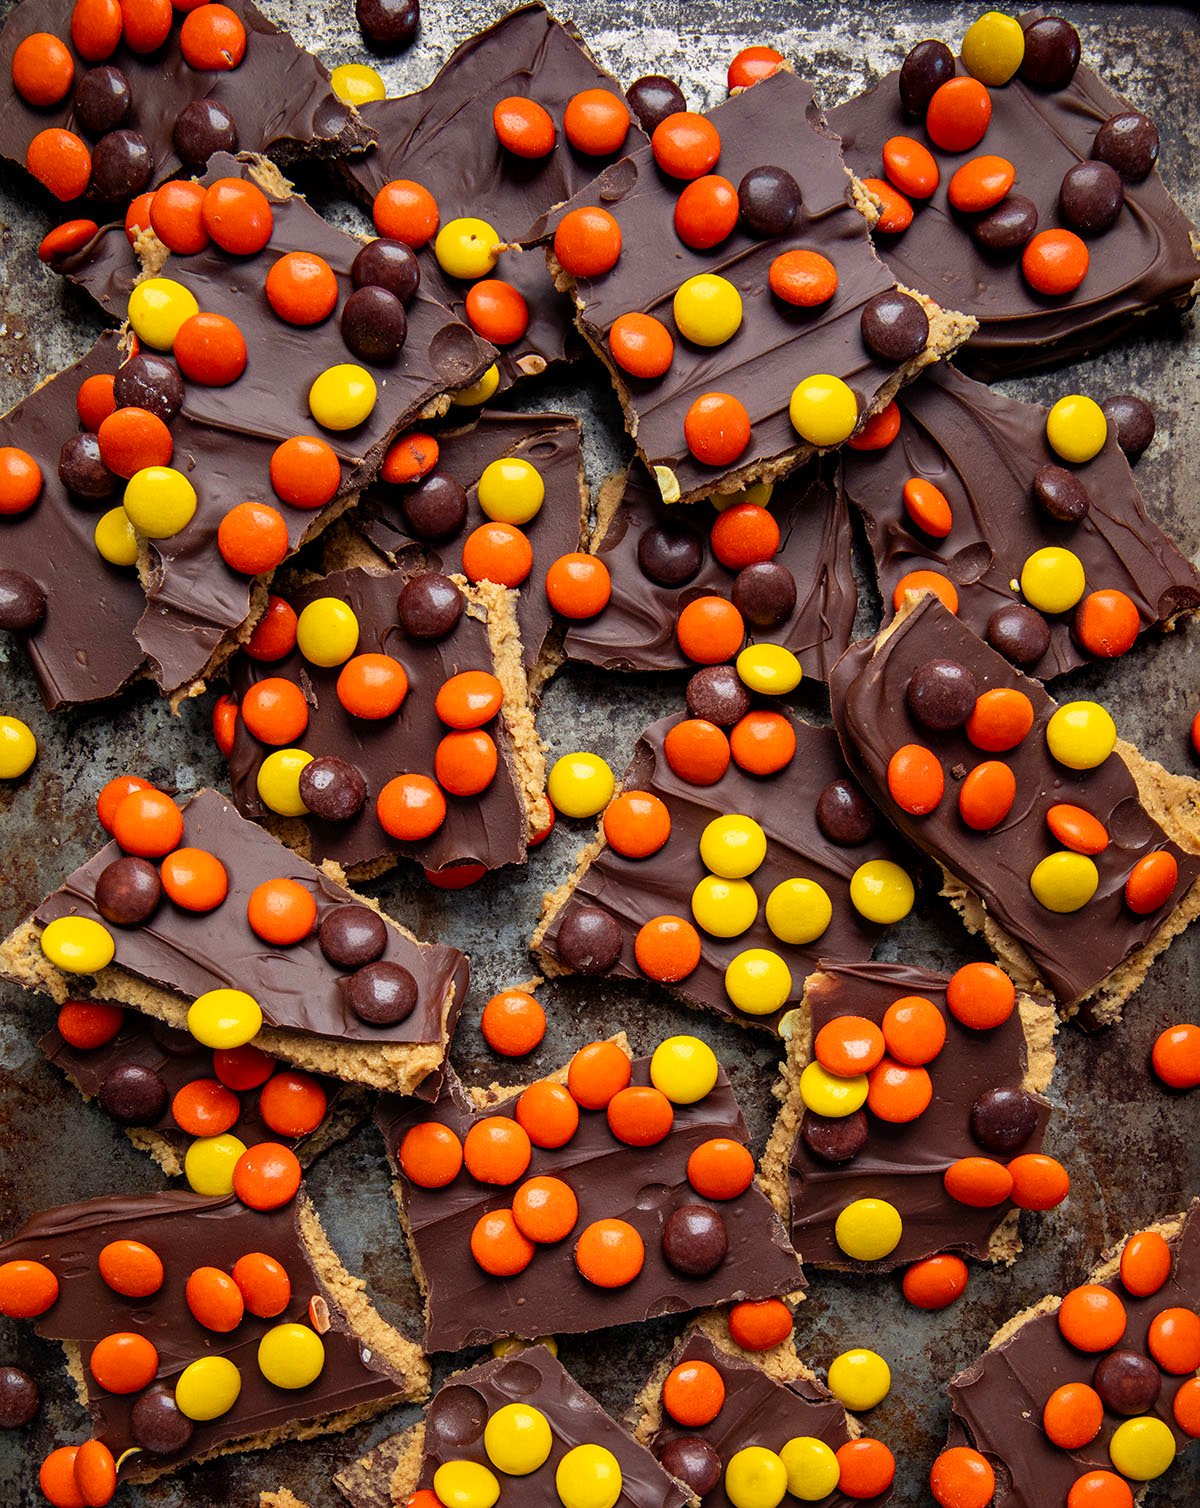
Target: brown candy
[941, 694]
[692, 1461]
[20, 1398]
[430, 606]
[694, 1240]
[127, 891]
[351, 936]
[589, 940]
[844, 814]
[834, 1139]
[718, 695]
[1003, 1119]
[332, 789]
[381, 994]
[133, 1095]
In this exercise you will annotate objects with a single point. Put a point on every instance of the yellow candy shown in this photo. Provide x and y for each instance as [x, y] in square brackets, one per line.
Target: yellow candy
[758, 493]
[1081, 735]
[291, 1356]
[684, 1069]
[465, 1484]
[278, 781]
[823, 410]
[467, 248]
[1076, 428]
[1142, 1448]
[881, 891]
[479, 391]
[756, 1478]
[511, 491]
[78, 945]
[517, 1439]
[342, 396]
[769, 668]
[708, 309]
[512, 1345]
[18, 747]
[758, 982]
[824, 1093]
[207, 1388]
[724, 908]
[733, 846]
[209, 1162]
[357, 84]
[588, 1477]
[327, 631]
[224, 1018]
[859, 1379]
[993, 48]
[798, 911]
[159, 501]
[1064, 881]
[869, 1229]
[812, 1468]
[580, 785]
[1052, 580]
[115, 539]
[157, 308]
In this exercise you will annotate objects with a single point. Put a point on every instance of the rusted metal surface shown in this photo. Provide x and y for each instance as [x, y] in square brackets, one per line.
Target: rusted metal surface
[1132, 1149]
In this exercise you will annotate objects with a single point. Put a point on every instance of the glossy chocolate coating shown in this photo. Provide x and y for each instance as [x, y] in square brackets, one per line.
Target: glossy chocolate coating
[332, 789]
[20, 1397]
[388, 25]
[122, 165]
[202, 127]
[1091, 197]
[927, 66]
[764, 593]
[1003, 1119]
[1128, 142]
[429, 605]
[374, 324]
[589, 940]
[1128, 1382]
[127, 891]
[381, 994]
[22, 601]
[941, 694]
[133, 1095]
[834, 1139]
[768, 200]
[435, 508]
[692, 1461]
[149, 381]
[1052, 52]
[694, 1240]
[351, 936]
[103, 99]
[844, 814]
[718, 694]
[894, 326]
[1019, 633]
[652, 98]
[1133, 419]
[383, 263]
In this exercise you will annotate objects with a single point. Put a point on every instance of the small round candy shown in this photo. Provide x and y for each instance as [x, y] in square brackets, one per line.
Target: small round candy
[580, 784]
[756, 1478]
[357, 84]
[511, 490]
[1003, 1119]
[157, 309]
[927, 66]
[707, 309]
[77, 944]
[724, 908]
[18, 747]
[798, 911]
[832, 1095]
[1128, 1382]
[588, 1476]
[1091, 197]
[962, 1477]
[981, 184]
[844, 814]
[589, 940]
[1052, 579]
[1132, 420]
[823, 410]
[1055, 262]
[1142, 1449]
[115, 538]
[684, 1068]
[1081, 735]
[1061, 494]
[1052, 53]
[868, 1230]
[22, 601]
[769, 669]
[936, 1282]
[1076, 428]
[765, 595]
[1128, 142]
[694, 1240]
[374, 326]
[278, 781]
[1092, 1318]
[132, 1095]
[941, 694]
[207, 1388]
[751, 66]
[224, 1018]
[27, 1288]
[1019, 633]
[958, 114]
[881, 891]
[381, 993]
[209, 1164]
[517, 1439]
[1064, 881]
[894, 326]
[993, 48]
[342, 396]
[758, 981]
[812, 1468]
[733, 846]
[159, 501]
[690, 1459]
[20, 1397]
[654, 97]
[1176, 1058]
[859, 1379]
[1007, 228]
[327, 631]
[769, 200]
[202, 127]
[834, 1139]
[291, 1356]
[467, 248]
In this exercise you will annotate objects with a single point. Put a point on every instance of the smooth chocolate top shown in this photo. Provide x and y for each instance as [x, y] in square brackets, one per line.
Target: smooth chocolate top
[190, 952]
[455, 1420]
[1143, 261]
[997, 1402]
[443, 137]
[904, 1164]
[487, 829]
[641, 1185]
[636, 631]
[635, 891]
[777, 124]
[982, 450]
[189, 1231]
[759, 1410]
[1072, 953]
[549, 442]
[84, 648]
[279, 95]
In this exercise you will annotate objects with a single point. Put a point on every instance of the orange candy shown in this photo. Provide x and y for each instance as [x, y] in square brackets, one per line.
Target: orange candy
[176, 213]
[762, 743]
[275, 710]
[66, 239]
[641, 345]
[410, 808]
[1077, 829]
[195, 879]
[958, 114]
[469, 699]
[962, 1477]
[94, 401]
[751, 66]
[915, 779]
[578, 586]
[710, 630]
[1039, 1182]
[1151, 882]
[596, 1073]
[131, 438]
[706, 212]
[497, 1150]
[274, 634]
[1107, 623]
[292, 1103]
[497, 552]
[213, 39]
[1055, 261]
[928, 507]
[405, 211]
[205, 1107]
[935, 1282]
[266, 1176]
[1000, 720]
[981, 996]
[926, 581]
[513, 1023]
[431, 1155]
[20, 480]
[148, 824]
[27, 1289]
[981, 183]
[301, 288]
[987, 794]
[744, 535]
[697, 751]
[717, 428]
[237, 214]
[305, 471]
[215, 1300]
[243, 1067]
[686, 145]
[88, 1024]
[1092, 1318]
[587, 242]
[372, 686]
[667, 948]
[96, 27]
[42, 69]
[497, 311]
[1176, 1056]
[56, 1478]
[547, 1113]
[466, 763]
[210, 349]
[693, 1393]
[895, 212]
[137, 217]
[523, 127]
[131, 1268]
[263, 1283]
[867, 1468]
[545, 1210]
[95, 1473]
[760, 1324]
[253, 538]
[1073, 1415]
[910, 166]
[898, 1094]
[720, 1168]
[123, 1362]
[1174, 1340]
[980, 1182]
[914, 1030]
[848, 1045]
[640, 1115]
[409, 458]
[281, 911]
[1100, 1489]
[803, 278]
[609, 1253]
[596, 122]
[113, 794]
[1186, 1408]
[60, 161]
[147, 24]
[1145, 1263]
[637, 824]
[498, 1245]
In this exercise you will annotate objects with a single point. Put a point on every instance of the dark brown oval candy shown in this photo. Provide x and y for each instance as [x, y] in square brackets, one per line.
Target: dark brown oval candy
[652, 98]
[133, 1095]
[694, 1240]
[844, 814]
[22, 601]
[834, 1139]
[1132, 419]
[718, 695]
[122, 165]
[351, 936]
[374, 324]
[381, 994]
[670, 554]
[589, 940]
[941, 694]
[927, 67]
[83, 473]
[1019, 633]
[332, 789]
[1008, 227]
[894, 326]
[1052, 53]
[1061, 494]
[388, 25]
[385, 263]
[103, 99]
[149, 381]
[436, 508]
[1128, 1382]
[202, 127]
[127, 891]
[1004, 1118]
[158, 1425]
[768, 201]
[764, 593]
[1129, 143]
[429, 606]
[20, 1398]
[690, 1459]
[1091, 197]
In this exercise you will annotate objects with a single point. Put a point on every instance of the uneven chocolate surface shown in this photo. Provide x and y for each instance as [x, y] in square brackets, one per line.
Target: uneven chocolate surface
[189, 1231]
[982, 450]
[904, 1164]
[1143, 261]
[279, 95]
[1072, 953]
[189, 952]
[549, 442]
[443, 138]
[636, 631]
[641, 1185]
[996, 1403]
[634, 891]
[487, 829]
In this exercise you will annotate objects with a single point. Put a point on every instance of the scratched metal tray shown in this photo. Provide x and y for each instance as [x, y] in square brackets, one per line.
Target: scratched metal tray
[1132, 1150]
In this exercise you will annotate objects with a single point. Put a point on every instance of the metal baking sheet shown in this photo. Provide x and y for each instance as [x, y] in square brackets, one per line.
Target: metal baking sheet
[1132, 1149]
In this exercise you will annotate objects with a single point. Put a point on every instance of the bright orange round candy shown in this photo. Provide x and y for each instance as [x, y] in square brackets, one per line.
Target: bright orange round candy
[962, 1477]
[1145, 1263]
[915, 779]
[466, 763]
[667, 948]
[751, 66]
[497, 552]
[1077, 829]
[264, 1284]
[274, 635]
[1091, 1318]
[928, 507]
[94, 401]
[113, 794]
[410, 458]
[762, 743]
[710, 630]
[693, 1393]
[292, 1103]
[267, 1176]
[578, 586]
[926, 581]
[848, 1046]
[1073, 1415]
[981, 183]
[867, 1468]
[131, 438]
[895, 212]
[717, 428]
[986, 795]
[96, 27]
[27, 1289]
[195, 879]
[237, 214]
[981, 996]
[147, 24]
[596, 122]
[95, 1469]
[20, 480]
[405, 211]
[497, 311]
[1107, 623]
[721, 1169]
[42, 68]
[123, 1362]
[305, 471]
[935, 1282]
[372, 686]
[744, 535]
[610, 1253]
[497, 1150]
[148, 824]
[548, 1113]
[1055, 261]
[213, 39]
[911, 166]
[1174, 1340]
[1000, 719]
[1039, 1182]
[469, 699]
[980, 1182]
[686, 145]
[523, 127]
[281, 911]
[805, 279]
[760, 1324]
[244, 1067]
[498, 1245]
[60, 161]
[706, 212]
[1186, 1408]
[215, 1300]
[958, 114]
[137, 217]
[1176, 1056]
[596, 1073]
[205, 1107]
[275, 710]
[177, 216]
[697, 751]
[545, 1210]
[64, 240]
[56, 1478]
[513, 1023]
[410, 808]
[301, 288]
[637, 824]
[88, 1024]
[1100, 1489]
[130, 1268]
[897, 1093]
[914, 1030]
[641, 345]
[253, 538]
[1151, 882]
[587, 242]
[431, 1155]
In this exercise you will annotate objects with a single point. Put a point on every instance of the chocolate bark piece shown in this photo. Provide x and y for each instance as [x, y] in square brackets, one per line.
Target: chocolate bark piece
[1093, 959]
[996, 1403]
[178, 1060]
[548, 442]
[777, 344]
[492, 828]
[443, 138]
[771, 1397]
[279, 96]
[983, 451]
[1146, 261]
[160, 967]
[636, 631]
[368, 1365]
[198, 608]
[453, 1431]
[631, 892]
[610, 1179]
[904, 1164]
[84, 648]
